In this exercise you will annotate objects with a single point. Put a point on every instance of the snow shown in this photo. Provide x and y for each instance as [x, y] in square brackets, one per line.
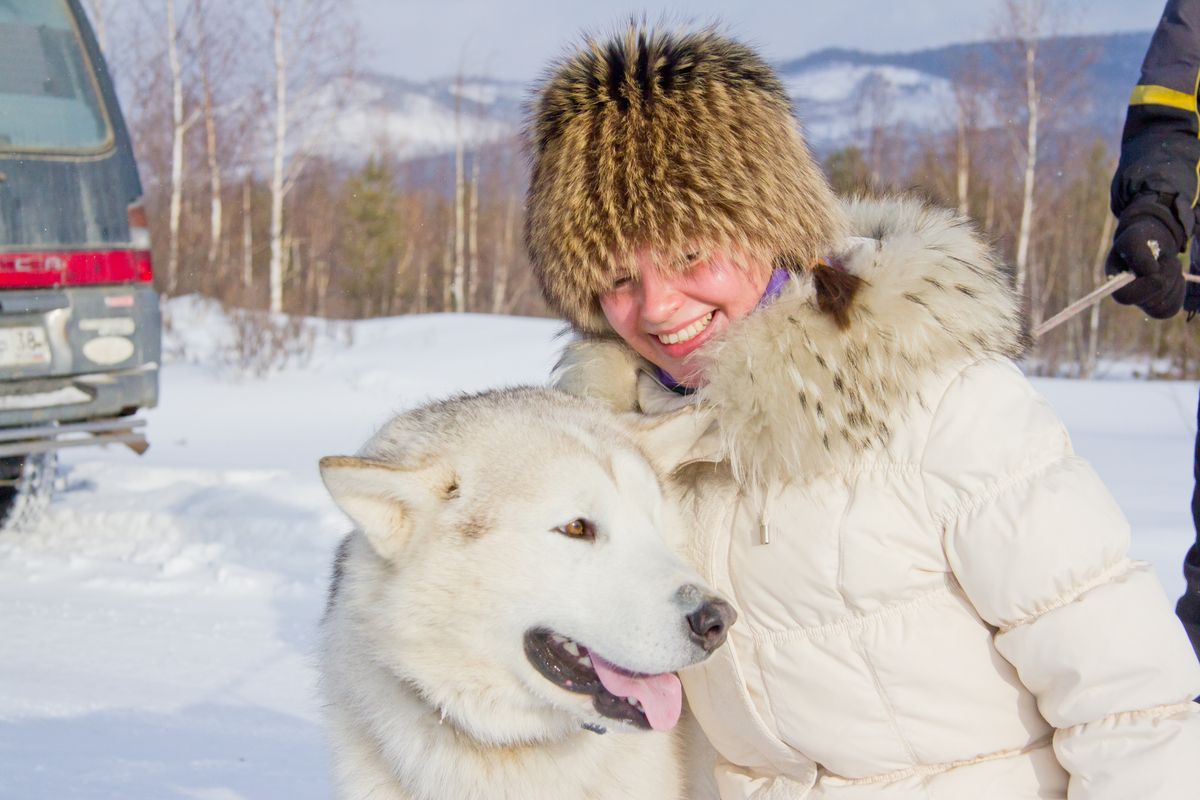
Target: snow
[488, 93]
[838, 81]
[412, 121]
[157, 628]
[838, 101]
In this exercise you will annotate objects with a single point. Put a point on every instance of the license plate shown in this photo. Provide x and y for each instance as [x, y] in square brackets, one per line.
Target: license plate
[23, 347]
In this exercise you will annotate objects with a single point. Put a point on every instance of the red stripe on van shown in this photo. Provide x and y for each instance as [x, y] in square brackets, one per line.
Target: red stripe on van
[74, 268]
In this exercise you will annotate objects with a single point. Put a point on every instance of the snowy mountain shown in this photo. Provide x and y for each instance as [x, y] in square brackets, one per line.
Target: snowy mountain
[839, 94]
[415, 120]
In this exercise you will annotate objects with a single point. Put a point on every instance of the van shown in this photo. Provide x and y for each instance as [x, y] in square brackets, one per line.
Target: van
[80, 327]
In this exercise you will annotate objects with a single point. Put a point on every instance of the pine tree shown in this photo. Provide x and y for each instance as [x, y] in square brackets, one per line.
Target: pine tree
[371, 238]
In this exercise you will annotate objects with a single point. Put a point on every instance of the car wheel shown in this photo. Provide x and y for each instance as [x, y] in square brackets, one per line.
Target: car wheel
[26, 483]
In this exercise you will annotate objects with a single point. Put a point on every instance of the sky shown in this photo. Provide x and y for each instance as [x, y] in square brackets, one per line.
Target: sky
[422, 39]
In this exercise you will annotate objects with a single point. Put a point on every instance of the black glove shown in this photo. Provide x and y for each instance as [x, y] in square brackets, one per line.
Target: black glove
[1159, 286]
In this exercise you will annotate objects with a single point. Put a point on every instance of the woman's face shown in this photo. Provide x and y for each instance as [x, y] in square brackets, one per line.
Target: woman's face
[668, 317]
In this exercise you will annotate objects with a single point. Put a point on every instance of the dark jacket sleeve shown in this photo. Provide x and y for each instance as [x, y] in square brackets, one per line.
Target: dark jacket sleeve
[1159, 147]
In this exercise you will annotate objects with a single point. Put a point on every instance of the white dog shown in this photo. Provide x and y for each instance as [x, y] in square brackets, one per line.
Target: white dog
[508, 595]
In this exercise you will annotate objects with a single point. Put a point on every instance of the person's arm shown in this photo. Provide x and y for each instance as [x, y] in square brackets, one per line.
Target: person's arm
[1154, 190]
[1040, 549]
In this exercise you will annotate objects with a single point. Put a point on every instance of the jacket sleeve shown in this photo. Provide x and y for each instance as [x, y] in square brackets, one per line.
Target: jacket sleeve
[1159, 146]
[1040, 549]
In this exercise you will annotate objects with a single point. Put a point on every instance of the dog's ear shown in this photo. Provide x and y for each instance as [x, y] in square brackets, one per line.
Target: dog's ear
[670, 439]
[382, 499]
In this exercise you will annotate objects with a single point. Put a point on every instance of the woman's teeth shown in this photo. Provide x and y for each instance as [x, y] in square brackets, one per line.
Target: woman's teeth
[690, 332]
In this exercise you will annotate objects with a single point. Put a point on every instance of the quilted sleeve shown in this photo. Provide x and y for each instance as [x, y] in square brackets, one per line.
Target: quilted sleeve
[1041, 550]
[1160, 150]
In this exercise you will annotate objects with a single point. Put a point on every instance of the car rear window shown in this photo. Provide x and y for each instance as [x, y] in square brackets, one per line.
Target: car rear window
[48, 96]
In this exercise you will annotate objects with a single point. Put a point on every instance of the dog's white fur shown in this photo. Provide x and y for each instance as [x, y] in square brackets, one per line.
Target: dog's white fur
[457, 554]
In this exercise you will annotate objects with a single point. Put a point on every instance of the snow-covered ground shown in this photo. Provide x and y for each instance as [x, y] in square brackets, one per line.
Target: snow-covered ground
[156, 630]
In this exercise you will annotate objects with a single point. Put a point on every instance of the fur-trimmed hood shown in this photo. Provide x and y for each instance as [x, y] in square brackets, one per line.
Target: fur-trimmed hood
[794, 393]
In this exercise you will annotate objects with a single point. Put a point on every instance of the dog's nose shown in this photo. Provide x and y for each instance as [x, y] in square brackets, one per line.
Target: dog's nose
[710, 622]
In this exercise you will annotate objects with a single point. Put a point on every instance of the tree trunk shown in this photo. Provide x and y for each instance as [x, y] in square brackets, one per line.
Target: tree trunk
[277, 174]
[1091, 358]
[448, 274]
[216, 212]
[177, 121]
[1031, 155]
[210, 143]
[473, 277]
[422, 285]
[247, 235]
[322, 286]
[458, 286]
[500, 268]
[402, 267]
[295, 262]
[963, 164]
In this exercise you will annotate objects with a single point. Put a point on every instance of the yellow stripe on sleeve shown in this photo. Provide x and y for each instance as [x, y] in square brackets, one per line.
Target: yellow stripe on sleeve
[1196, 196]
[1147, 95]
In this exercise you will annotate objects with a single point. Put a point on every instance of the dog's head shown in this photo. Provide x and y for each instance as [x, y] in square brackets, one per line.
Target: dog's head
[517, 572]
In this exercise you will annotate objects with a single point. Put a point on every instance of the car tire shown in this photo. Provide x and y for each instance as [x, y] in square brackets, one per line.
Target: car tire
[26, 483]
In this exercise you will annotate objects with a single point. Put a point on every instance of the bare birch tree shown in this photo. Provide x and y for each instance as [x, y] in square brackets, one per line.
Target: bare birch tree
[209, 113]
[502, 261]
[1040, 76]
[247, 234]
[278, 154]
[474, 278]
[968, 87]
[179, 131]
[1023, 24]
[458, 283]
[311, 58]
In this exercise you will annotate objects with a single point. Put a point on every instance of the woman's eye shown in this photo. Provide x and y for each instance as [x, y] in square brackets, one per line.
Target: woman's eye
[624, 280]
[578, 529]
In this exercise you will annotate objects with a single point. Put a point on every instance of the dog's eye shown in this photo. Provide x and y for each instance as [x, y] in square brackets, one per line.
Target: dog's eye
[578, 529]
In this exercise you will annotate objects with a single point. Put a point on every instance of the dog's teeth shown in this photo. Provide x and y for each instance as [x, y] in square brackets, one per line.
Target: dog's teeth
[585, 661]
[571, 648]
[557, 639]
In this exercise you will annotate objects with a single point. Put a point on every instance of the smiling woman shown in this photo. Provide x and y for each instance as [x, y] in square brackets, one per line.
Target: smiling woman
[934, 592]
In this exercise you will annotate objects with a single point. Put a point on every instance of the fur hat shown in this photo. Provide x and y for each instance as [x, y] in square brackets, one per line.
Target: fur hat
[676, 142]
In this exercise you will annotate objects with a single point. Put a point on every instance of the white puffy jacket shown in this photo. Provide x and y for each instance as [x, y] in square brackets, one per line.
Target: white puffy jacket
[944, 608]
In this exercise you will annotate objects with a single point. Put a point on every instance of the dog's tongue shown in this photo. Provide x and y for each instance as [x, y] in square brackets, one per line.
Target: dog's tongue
[661, 696]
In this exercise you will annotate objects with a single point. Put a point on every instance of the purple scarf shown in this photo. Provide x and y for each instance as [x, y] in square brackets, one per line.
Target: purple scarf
[779, 279]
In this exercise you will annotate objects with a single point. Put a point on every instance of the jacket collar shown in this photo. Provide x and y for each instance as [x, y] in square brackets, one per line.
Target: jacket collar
[791, 392]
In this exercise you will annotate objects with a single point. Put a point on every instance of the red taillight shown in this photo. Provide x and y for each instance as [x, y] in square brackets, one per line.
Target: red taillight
[39, 270]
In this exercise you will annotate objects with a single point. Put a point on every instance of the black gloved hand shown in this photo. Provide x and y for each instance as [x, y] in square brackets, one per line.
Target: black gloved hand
[1146, 245]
